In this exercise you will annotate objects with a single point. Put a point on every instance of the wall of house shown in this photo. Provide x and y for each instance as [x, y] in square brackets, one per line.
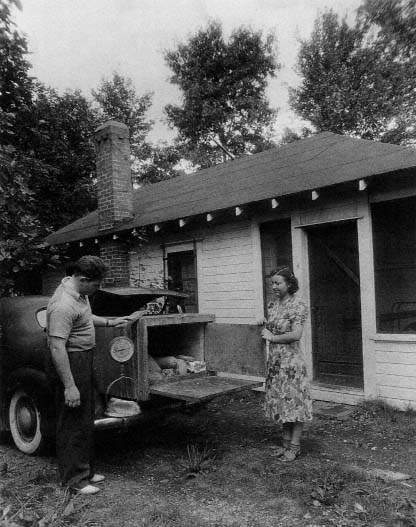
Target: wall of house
[146, 266]
[230, 286]
[226, 285]
[396, 369]
[224, 255]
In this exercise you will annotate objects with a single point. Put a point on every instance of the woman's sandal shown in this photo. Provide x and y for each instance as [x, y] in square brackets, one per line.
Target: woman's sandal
[280, 450]
[291, 453]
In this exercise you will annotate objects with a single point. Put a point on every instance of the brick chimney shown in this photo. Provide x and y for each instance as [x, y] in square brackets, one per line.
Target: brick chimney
[115, 196]
[115, 191]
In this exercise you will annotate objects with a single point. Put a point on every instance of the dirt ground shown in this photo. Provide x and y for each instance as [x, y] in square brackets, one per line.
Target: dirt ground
[215, 467]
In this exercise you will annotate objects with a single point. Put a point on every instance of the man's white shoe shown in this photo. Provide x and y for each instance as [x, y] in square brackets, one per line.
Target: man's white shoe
[88, 490]
[97, 478]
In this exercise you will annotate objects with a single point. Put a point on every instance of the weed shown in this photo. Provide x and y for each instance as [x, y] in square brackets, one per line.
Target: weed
[200, 460]
[376, 408]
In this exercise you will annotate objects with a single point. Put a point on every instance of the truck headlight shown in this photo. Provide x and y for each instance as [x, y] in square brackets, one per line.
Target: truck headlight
[121, 349]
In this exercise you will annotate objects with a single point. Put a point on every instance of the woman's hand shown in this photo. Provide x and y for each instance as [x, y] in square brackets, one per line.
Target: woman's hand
[266, 334]
[261, 321]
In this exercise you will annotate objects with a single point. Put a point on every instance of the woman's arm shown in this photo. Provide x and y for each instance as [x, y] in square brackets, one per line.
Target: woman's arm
[284, 338]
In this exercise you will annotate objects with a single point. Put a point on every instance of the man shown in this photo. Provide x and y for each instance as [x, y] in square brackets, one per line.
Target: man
[71, 336]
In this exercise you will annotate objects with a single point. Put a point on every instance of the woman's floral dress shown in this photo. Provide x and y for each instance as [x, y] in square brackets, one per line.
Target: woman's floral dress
[287, 391]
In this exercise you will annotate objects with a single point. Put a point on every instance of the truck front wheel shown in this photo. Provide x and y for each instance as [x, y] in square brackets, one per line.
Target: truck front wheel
[25, 418]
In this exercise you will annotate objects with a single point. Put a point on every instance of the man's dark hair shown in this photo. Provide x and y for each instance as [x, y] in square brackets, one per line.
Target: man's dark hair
[91, 267]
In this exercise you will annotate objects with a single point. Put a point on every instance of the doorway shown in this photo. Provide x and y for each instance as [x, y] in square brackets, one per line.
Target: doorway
[335, 304]
[182, 277]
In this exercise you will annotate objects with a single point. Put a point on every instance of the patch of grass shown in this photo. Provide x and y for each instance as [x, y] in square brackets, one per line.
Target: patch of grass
[200, 459]
[402, 423]
[170, 515]
[376, 408]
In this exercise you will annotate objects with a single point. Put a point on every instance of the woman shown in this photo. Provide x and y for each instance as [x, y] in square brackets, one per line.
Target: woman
[288, 400]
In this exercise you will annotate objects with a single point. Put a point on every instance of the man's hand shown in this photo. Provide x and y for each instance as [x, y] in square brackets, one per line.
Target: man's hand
[120, 322]
[72, 397]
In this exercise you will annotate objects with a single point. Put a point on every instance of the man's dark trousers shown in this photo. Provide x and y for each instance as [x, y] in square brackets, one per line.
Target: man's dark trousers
[75, 426]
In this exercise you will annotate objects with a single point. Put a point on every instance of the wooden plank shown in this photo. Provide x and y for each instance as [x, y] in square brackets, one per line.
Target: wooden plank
[237, 249]
[243, 258]
[247, 314]
[397, 381]
[212, 296]
[241, 277]
[229, 269]
[395, 369]
[396, 357]
[202, 388]
[405, 394]
[185, 318]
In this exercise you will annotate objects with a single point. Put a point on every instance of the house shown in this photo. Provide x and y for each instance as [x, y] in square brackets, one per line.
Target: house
[340, 211]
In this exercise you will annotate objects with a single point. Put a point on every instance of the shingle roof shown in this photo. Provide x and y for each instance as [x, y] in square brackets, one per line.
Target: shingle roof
[322, 160]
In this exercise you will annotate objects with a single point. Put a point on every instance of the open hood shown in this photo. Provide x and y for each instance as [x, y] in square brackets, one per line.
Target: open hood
[119, 301]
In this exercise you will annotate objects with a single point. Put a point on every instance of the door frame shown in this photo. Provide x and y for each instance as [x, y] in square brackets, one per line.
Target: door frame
[345, 271]
[361, 213]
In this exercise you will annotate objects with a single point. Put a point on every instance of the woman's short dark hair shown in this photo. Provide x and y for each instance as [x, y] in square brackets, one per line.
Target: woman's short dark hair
[290, 278]
[91, 267]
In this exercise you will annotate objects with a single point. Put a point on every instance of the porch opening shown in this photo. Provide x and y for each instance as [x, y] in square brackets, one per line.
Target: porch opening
[394, 234]
[335, 304]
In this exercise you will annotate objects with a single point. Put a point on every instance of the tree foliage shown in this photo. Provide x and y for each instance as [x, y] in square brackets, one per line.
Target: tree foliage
[19, 226]
[223, 86]
[356, 78]
[118, 100]
[62, 140]
[46, 163]
[390, 26]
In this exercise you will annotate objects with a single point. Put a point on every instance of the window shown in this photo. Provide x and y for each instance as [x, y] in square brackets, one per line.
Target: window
[394, 233]
[182, 277]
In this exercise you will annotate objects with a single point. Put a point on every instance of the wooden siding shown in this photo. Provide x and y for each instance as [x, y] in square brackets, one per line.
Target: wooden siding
[226, 284]
[396, 372]
[146, 266]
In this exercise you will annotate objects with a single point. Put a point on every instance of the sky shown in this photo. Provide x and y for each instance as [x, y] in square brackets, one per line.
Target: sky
[74, 44]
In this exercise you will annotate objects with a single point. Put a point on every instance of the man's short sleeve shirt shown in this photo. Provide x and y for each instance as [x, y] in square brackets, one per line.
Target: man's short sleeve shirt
[69, 317]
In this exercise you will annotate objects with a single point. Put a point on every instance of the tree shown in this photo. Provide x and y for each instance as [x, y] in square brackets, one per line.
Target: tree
[290, 136]
[390, 26]
[21, 233]
[352, 79]
[46, 163]
[118, 100]
[15, 82]
[158, 164]
[223, 87]
[61, 138]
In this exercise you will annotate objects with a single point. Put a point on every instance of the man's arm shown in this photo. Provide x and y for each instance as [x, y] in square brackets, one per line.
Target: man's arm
[63, 368]
[120, 322]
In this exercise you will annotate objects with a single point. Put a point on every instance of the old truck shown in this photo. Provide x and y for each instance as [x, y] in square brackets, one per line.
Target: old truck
[127, 386]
